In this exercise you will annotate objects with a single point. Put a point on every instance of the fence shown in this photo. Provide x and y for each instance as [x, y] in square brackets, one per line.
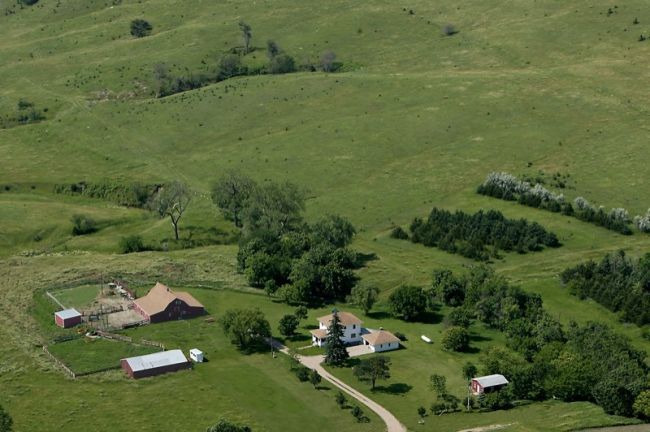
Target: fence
[152, 343]
[59, 363]
[114, 336]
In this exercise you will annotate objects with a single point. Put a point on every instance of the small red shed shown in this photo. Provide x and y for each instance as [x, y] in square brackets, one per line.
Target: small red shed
[487, 384]
[67, 318]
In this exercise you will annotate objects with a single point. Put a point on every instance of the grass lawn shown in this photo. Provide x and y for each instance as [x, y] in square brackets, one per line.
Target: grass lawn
[77, 297]
[90, 355]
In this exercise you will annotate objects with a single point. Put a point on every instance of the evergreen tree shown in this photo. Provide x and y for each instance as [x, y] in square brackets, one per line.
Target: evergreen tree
[335, 352]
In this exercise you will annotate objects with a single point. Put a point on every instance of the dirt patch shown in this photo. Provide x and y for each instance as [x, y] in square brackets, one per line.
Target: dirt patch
[487, 428]
[124, 318]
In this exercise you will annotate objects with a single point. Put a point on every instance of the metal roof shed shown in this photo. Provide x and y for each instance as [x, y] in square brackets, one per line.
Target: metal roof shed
[155, 364]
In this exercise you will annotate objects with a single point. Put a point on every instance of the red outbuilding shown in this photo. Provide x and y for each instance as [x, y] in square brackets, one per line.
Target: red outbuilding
[163, 304]
[488, 384]
[155, 364]
[67, 318]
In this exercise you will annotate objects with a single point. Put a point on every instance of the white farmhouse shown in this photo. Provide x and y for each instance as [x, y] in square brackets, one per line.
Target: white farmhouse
[351, 329]
[380, 340]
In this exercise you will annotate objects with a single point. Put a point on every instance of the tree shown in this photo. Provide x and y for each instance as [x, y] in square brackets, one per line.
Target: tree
[288, 325]
[438, 384]
[282, 63]
[272, 49]
[327, 61]
[140, 28]
[469, 371]
[247, 35]
[341, 400]
[82, 224]
[172, 200]
[422, 412]
[408, 302]
[132, 243]
[275, 208]
[455, 339]
[335, 352]
[301, 312]
[246, 328]
[6, 422]
[224, 425]
[449, 290]
[642, 405]
[358, 414]
[229, 66]
[333, 229]
[363, 296]
[231, 193]
[314, 377]
[376, 367]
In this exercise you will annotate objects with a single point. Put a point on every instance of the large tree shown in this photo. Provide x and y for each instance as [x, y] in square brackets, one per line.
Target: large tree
[247, 35]
[377, 367]
[408, 302]
[172, 200]
[275, 207]
[288, 325]
[246, 328]
[231, 193]
[363, 296]
[335, 352]
[333, 229]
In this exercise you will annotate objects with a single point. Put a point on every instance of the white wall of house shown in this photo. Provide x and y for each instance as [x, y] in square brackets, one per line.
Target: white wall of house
[384, 347]
[351, 333]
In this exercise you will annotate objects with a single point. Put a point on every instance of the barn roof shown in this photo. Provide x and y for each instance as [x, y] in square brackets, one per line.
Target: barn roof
[380, 337]
[156, 360]
[67, 313]
[160, 296]
[346, 319]
[491, 380]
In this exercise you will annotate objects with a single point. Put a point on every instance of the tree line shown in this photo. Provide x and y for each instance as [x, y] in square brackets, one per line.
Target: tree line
[230, 64]
[478, 236]
[26, 113]
[508, 187]
[291, 259]
[618, 282]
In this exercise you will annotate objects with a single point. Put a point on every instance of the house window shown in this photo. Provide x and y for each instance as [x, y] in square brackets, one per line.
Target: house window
[353, 335]
[354, 326]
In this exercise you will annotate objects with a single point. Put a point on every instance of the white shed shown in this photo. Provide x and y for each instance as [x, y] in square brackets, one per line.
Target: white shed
[196, 355]
[381, 340]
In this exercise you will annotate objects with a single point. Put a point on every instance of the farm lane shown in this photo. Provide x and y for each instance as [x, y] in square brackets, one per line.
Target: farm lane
[314, 362]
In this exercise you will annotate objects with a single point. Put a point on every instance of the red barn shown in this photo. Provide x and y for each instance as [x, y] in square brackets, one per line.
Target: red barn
[487, 384]
[162, 304]
[155, 364]
[67, 318]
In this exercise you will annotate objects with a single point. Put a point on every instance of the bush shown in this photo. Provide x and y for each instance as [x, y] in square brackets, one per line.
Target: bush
[140, 28]
[282, 64]
[459, 317]
[449, 30]
[401, 336]
[82, 224]
[501, 399]
[455, 339]
[302, 373]
[399, 233]
[132, 243]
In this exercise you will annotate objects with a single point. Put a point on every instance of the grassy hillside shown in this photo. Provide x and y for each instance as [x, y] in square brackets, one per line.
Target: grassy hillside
[414, 119]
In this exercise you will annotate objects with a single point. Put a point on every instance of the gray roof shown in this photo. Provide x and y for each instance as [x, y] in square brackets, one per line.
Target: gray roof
[68, 313]
[156, 360]
[491, 380]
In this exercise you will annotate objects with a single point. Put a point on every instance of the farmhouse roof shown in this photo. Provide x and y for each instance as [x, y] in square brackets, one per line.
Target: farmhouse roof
[380, 337]
[156, 360]
[319, 333]
[491, 380]
[68, 313]
[346, 319]
[160, 296]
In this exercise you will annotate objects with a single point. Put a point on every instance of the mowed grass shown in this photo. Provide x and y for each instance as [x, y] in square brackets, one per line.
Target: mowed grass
[416, 120]
[90, 355]
[77, 297]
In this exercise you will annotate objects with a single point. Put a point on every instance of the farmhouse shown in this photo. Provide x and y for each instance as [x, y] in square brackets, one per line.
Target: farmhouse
[155, 364]
[488, 383]
[163, 304]
[380, 340]
[351, 329]
[67, 318]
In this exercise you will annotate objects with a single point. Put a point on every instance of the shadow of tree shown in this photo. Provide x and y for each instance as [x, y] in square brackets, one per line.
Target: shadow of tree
[395, 388]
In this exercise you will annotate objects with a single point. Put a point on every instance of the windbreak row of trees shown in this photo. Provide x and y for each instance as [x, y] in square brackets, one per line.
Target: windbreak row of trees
[480, 235]
[291, 259]
[574, 363]
[508, 187]
[231, 64]
[618, 282]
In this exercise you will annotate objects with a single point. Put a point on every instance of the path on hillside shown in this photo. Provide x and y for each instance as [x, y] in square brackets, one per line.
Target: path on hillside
[314, 362]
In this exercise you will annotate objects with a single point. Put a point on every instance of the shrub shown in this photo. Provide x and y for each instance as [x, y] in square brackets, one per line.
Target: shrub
[328, 61]
[226, 426]
[140, 28]
[341, 400]
[82, 224]
[501, 399]
[302, 373]
[642, 223]
[282, 64]
[455, 339]
[459, 317]
[399, 233]
[132, 243]
[449, 30]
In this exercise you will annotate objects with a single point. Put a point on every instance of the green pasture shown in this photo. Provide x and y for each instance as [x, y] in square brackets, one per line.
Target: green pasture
[414, 120]
[77, 297]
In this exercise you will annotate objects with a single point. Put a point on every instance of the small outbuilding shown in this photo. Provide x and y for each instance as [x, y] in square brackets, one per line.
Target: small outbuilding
[488, 384]
[196, 355]
[380, 340]
[155, 364]
[67, 318]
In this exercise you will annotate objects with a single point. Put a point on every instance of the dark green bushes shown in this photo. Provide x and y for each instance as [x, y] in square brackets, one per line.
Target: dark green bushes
[132, 243]
[140, 28]
[83, 224]
[125, 194]
[480, 235]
